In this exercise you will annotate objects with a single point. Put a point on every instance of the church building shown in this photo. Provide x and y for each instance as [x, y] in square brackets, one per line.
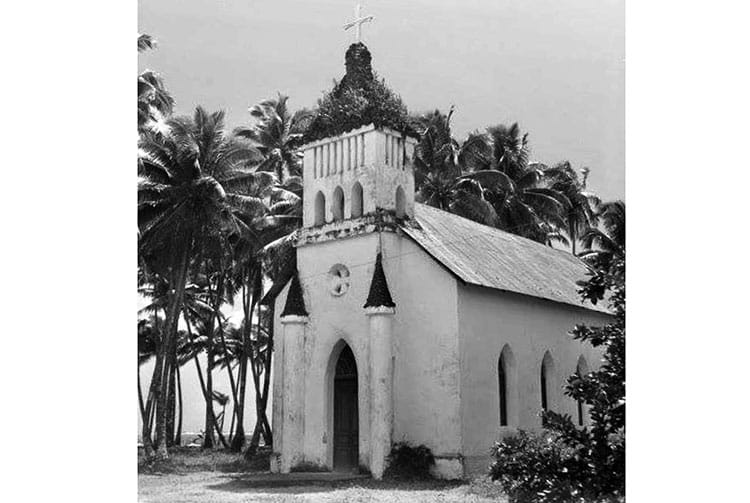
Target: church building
[407, 323]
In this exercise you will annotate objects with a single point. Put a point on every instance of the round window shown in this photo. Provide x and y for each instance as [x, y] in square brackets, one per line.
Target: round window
[338, 277]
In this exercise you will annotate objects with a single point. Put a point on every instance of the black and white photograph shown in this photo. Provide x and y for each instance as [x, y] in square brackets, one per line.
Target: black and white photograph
[381, 256]
[374, 251]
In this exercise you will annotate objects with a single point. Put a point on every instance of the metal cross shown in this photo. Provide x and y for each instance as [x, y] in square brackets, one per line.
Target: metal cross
[358, 22]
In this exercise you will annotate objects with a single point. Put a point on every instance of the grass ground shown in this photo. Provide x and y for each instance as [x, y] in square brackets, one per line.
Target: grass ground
[184, 460]
[220, 477]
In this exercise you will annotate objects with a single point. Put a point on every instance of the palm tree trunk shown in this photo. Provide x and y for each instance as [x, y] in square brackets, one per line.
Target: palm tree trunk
[231, 430]
[572, 234]
[171, 407]
[178, 434]
[242, 373]
[160, 444]
[262, 428]
[151, 411]
[267, 438]
[254, 276]
[148, 447]
[211, 421]
[269, 361]
[169, 347]
[232, 382]
[252, 449]
[255, 439]
[215, 317]
[208, 438]
[141, 407]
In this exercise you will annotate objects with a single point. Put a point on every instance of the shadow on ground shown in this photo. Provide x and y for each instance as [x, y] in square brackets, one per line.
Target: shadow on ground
[242, 482]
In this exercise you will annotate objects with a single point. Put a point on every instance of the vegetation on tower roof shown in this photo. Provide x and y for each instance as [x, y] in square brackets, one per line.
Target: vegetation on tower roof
[359, 99]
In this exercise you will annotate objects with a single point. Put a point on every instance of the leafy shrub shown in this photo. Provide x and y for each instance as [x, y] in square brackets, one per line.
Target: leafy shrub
[533, 467]
[409, 462]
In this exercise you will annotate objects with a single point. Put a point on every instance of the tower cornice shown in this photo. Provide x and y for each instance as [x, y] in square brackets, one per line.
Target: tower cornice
[379, 221]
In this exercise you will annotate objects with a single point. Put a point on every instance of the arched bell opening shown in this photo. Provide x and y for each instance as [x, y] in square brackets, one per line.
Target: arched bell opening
[320, 208]
[400, 202]
[337, 205]
[356, 200]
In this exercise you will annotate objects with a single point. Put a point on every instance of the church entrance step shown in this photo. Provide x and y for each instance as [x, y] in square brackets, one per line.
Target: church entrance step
[267, 479]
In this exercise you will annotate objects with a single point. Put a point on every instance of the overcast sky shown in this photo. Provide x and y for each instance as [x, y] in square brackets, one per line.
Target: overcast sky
[555, 66]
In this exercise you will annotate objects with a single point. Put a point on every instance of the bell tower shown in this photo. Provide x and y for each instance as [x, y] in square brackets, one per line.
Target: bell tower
[358, 162]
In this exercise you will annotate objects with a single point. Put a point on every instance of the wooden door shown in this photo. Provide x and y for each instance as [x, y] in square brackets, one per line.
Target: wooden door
[345, 413]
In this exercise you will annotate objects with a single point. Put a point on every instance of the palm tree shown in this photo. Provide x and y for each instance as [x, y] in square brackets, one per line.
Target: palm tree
[277, 134]
[601, 246]
[154, 102]
[202, 340]
[579, 213]
[157, 289]
[148, 346]
[524, 206]
[439, 170]
[191, 181]
[250, 249]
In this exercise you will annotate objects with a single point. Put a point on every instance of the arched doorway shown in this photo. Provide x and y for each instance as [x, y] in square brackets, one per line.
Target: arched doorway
[345, 413]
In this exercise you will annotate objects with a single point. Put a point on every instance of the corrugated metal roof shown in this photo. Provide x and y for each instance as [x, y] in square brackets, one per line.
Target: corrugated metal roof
[485, 256]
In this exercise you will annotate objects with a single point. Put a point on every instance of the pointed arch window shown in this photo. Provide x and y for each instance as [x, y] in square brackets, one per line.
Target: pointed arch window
[544, 388]
[507, 386]
[502, 386]
[581, 370]
[544, 381]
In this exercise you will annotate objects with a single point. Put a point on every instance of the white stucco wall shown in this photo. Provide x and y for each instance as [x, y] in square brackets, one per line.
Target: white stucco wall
[490, 319]
[425, 333]
[426, 373]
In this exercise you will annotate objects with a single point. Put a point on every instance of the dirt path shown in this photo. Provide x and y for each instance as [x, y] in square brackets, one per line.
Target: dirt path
[217, 487]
